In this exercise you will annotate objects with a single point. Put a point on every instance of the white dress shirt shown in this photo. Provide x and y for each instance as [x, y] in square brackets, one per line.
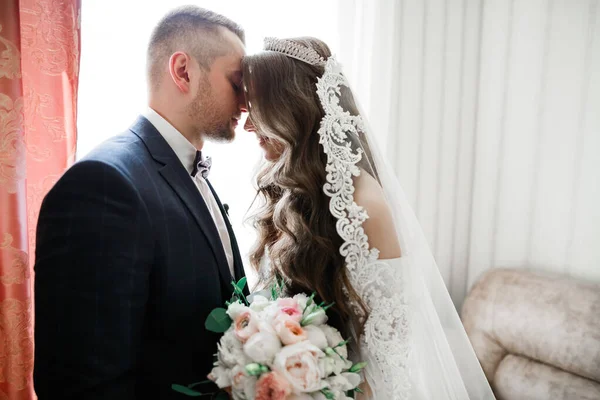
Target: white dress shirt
[186, 152]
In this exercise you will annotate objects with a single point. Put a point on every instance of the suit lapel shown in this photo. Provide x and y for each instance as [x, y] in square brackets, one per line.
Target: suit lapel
[182, 184]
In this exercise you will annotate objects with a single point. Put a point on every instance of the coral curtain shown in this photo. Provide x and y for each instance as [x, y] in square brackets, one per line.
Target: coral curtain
[39, 68]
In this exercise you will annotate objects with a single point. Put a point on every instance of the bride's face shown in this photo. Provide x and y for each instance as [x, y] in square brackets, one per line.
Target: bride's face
[272, 149]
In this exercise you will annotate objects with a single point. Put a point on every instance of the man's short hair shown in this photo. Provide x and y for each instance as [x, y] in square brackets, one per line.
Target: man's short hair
[191, 29]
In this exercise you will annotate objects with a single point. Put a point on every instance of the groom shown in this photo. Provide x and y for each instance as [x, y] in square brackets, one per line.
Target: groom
[134, 248]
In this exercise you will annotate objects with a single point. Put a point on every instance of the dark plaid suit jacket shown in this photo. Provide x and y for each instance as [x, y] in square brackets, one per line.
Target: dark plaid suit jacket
[128, 265]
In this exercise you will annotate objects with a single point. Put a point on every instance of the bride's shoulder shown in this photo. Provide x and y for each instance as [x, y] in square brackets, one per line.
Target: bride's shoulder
[379, 227]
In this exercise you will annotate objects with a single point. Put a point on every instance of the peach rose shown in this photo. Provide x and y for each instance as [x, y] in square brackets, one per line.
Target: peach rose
[299, 365]
[245, 325]
[290, 332]
[272, 386]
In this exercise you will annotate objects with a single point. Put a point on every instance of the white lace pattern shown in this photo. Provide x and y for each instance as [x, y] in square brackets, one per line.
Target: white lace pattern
[385, 342]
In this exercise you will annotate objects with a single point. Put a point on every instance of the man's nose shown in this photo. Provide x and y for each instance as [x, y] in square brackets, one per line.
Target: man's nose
[242, 102]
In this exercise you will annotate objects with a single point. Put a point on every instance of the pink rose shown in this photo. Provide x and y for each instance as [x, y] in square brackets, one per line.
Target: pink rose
[289, 309]
[272, 386]
[290, 332]
[245, 325]
[298, 364]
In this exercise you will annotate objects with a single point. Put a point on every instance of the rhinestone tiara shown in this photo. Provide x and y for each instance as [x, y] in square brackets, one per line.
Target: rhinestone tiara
[294, 50]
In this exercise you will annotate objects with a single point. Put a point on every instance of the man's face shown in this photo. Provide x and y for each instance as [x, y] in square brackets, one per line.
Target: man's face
[219, 101]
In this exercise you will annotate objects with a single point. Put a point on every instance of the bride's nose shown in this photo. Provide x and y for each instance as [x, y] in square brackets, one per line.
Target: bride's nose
[249, 126]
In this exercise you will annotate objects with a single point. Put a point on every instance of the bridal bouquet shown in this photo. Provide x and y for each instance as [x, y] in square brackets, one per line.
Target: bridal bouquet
[279, 348]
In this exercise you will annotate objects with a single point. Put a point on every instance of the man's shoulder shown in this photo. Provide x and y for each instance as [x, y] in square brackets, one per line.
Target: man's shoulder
[123, 157]
[123, 152]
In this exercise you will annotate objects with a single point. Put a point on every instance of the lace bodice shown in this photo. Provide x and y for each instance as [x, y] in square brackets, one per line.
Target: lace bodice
[385, 343]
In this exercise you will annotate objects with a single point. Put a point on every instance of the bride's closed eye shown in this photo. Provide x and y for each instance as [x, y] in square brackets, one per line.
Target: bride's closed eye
[236, 87]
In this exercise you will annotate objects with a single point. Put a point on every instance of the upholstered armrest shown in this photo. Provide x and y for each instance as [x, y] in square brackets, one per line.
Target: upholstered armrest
[536, 332]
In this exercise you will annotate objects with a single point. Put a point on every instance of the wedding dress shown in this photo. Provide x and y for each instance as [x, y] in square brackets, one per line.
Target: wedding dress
[413, 341]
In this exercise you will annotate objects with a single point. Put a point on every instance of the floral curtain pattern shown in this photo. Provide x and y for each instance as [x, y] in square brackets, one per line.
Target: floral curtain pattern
[39, 71]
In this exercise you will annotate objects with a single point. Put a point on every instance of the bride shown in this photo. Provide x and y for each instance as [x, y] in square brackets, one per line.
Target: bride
[334, 220]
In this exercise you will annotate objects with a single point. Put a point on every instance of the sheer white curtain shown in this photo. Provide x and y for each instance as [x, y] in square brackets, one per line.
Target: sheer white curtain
[112, 88]
[490, 112]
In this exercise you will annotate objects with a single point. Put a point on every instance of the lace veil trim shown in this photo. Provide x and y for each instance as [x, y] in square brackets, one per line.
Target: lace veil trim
[385, 340]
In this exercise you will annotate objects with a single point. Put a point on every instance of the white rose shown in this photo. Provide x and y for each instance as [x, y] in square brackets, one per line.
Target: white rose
[353, 378]
[235, 309]
[266, 327]
[262, 347]
[316, 336]
[238, 377]
[230, 351]
[302, 300]
[299, 396]
[344, 382]
[316, 316]
[333, 365]
[221, 377]
[235, 395]
[250, 387]
[299, 365]
[333, 339]
[269, 313]
[258, 303]
[242, 383]
[342, 364]
[230, 341]
[328, 366]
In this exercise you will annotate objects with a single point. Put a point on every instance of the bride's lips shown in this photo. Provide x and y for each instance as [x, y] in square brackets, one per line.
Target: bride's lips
[262, 140]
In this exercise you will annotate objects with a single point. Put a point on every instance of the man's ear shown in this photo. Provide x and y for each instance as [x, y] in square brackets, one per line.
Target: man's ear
[179, 68]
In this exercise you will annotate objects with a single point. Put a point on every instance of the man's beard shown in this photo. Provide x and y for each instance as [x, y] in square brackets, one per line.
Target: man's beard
[203, 111]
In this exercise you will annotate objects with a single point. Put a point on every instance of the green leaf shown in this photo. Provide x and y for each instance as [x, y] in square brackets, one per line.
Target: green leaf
[309, 302]
[358, 367]
[218, 321]
[340, 344]
[186, 391]
[273, 293]
[255, 369]
[236, 289]
[192, 385]
[242, 283]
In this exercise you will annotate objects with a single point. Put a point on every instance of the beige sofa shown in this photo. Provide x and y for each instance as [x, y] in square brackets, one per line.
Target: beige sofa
[536, 335]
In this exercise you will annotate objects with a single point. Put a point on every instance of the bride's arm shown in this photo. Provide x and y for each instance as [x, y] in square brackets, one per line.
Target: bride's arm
[379, 228]
[384, 343]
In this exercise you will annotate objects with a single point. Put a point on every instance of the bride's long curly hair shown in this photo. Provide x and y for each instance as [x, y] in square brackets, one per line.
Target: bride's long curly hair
[294, 224]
